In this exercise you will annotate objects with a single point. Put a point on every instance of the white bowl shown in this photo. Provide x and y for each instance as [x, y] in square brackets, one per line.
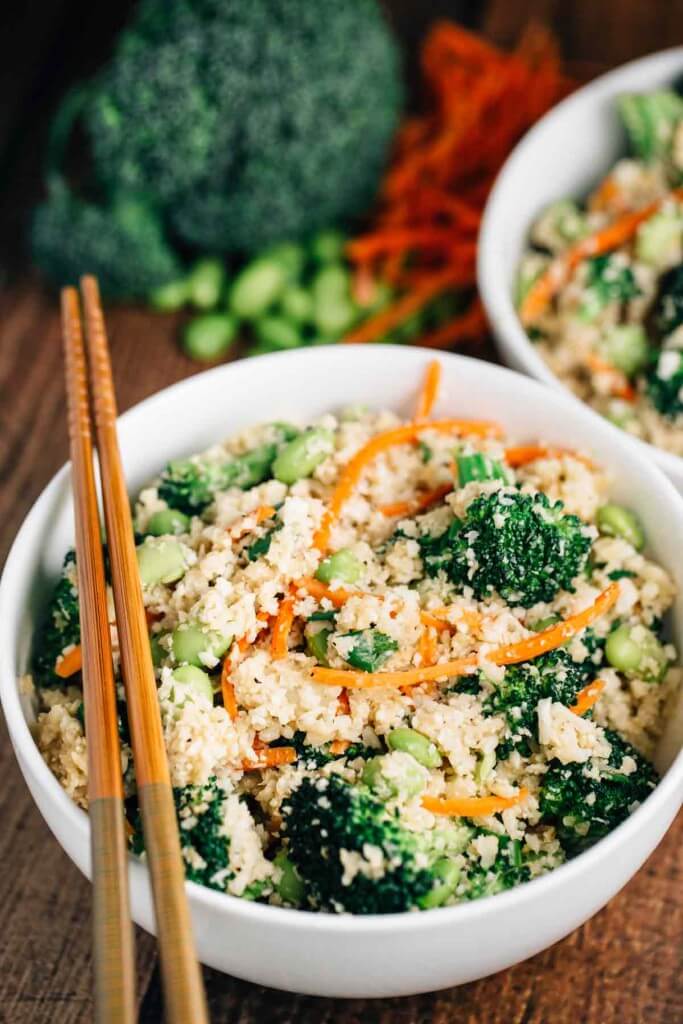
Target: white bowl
[324, 954]
[564, 155]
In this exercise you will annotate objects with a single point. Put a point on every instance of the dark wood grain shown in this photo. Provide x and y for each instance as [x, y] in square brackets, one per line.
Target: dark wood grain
[625, 966]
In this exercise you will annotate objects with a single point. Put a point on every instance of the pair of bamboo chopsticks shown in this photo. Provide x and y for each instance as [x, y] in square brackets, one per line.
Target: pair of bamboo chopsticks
[184, 997]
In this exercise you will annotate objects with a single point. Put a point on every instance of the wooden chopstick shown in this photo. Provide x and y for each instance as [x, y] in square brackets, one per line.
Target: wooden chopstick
[184, 998]
[112, 928]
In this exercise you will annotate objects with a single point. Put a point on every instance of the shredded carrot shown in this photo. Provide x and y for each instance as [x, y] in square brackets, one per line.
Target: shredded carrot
[439, 618]
[281, 628]
[522, 454]
[620, 385]
[586, 698]
[264, 619]
[510, 654]
[429, 392]
[339, 746]
[343, 704]
[271, 757]
[352, 472]
[426, 646]
[620, 231]
[473, 806]
[228, 690]
[423, 501]
[70, 663]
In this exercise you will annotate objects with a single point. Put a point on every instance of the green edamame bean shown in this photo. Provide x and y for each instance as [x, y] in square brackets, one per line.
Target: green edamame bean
[209, 337]
[290, 887]
[617, 521]
[328, 246]
[636, 651]
[485, 766]
[190, 640]
[342, 565]
[387, 779]
[167, 521]
[197, 680]
[297, 304]
[160, 561]
[276, 332]
[546, 623]
[256, 287]
[447, 875]
[168, 298]
[206, 283]
[289, 255]
[625, 346]
[412, 742]
[301, 456]
[316, 645]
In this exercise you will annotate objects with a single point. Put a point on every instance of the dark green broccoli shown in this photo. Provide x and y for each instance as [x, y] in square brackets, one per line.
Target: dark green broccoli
[122, 244]
[324, 817]
[249, 123]
[518, 545]
[668, 306]
[508, 870]
[311, 756]
[665, 383]
[607, 281]
[586, 801]
[61, 628]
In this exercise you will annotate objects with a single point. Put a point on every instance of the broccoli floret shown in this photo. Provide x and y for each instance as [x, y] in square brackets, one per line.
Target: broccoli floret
[250, 122]
[650, 120]
[192, 484]
[668, 306]
[328, 820]
[586, 801]
[607, 281]
[61, 628]
[555, 675]
[122, 244]
[518, 545]
[665, 383]
[310, 756]
[508, 870]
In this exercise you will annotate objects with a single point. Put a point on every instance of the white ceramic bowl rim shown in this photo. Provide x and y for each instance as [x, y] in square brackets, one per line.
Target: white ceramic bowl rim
[671, 782]
[491, 274]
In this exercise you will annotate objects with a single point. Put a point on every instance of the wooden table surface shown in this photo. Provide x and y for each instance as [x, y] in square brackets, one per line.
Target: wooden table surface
[625, 964]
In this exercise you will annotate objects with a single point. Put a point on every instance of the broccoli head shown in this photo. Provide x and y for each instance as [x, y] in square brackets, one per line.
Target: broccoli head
[518, 545]
[354, 855]
[508, 870]
[122, 244]
[665, 383]
[61, 628]
[250, 123]
[586, 801]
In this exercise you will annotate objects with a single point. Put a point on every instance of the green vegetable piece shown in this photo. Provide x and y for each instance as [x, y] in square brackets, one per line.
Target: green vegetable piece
[370, 649]
[636, 651]
[485, 766]
[342, 565]
[626, 347]
[447, 876]
[617, 521]
[158, 652]
[290, 887]
[560, 224]
[665, 381]
[261, 546]
[289, 255]
[387, 780]
[650, 120]
[206, 283]
[545, 623]
[167, 521]
[190, 640]
[658, 241]
[479, 466]
[275, 332]
[196, 679]
[300, 457]
[668, 305]
[256, 288]
[160, 561]
[208, 337]
[416, 744]
[333, 310]
[607, 281]
[170, 297]
[297, 304]
[328, 246]
[316, 645]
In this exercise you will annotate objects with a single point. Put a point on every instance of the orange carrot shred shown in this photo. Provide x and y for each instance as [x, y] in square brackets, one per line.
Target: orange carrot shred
[429, 392]
[281, 629]
[70, 663]
[271, 757]
[339, 746]
[621, 387]
[586, 698]
[473, 806]
[522, 454]
[422, 502]
[228, 690]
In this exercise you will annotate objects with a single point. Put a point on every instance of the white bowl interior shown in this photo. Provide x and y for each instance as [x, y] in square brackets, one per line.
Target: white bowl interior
[324, 954]
[564, 155]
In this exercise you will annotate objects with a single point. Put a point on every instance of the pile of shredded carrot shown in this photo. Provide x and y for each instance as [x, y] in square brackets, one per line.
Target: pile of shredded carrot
[423, 240]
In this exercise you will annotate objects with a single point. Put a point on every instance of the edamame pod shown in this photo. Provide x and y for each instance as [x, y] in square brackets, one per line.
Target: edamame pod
[342, 565]
[419, 746]
[160, 561]
[617, 521]
[300, 457]
[167, 521]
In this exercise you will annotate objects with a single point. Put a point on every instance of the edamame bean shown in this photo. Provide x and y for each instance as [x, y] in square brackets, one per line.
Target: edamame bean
[197, 681]
[167, 521]
[300, 457]
[485, 766]
[412, 742]
[190, 640]
[636, 651]
[447, 875]
[168, 298]
[290, 887]
[160, 561]
[256, 287]
[328, 246]
[297, 304]
[289, 255]
[617, 521]
[342, 565]
[206, 283]
[209, 337]
[316, 645]
[393, 774]
[625, 346]
[276, 332]
[333, 310]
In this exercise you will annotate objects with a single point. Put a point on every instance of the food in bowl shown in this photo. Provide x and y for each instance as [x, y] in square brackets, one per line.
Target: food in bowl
[600, 286]
[401, 665]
